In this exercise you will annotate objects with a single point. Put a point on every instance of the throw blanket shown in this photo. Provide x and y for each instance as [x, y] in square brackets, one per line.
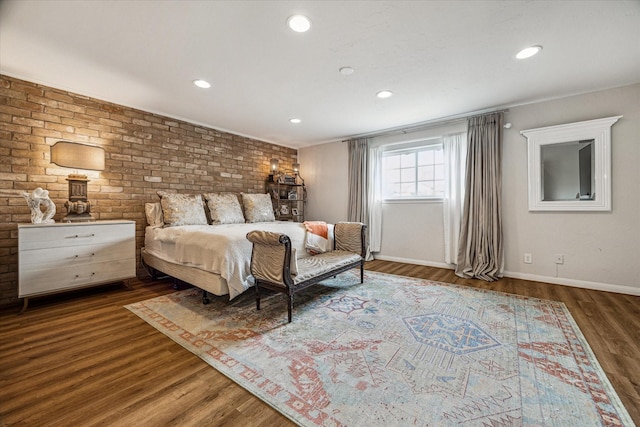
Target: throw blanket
[317, 237]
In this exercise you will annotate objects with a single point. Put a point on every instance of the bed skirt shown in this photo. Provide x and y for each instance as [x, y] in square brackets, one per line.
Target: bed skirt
[207, 281]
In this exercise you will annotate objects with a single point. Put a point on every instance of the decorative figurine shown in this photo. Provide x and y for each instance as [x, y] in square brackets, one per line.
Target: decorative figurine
[34, 200]
[78, 207]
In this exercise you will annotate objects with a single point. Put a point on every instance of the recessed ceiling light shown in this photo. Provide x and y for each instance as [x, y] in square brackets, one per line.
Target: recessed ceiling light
[345, 71]
[528, 52]
[295, 121]
[299, 23]
[384, 94]
[202, 83]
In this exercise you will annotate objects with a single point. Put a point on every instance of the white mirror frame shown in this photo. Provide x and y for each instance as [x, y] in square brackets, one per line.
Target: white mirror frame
[600, 131]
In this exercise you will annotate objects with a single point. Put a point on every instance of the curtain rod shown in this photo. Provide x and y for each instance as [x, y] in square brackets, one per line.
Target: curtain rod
[427, 124]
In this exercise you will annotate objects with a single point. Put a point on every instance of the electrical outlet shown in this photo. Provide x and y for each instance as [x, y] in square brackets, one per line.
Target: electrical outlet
[559, 259]
[528, 259]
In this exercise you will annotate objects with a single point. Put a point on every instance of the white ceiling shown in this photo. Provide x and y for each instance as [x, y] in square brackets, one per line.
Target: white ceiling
[440, 58]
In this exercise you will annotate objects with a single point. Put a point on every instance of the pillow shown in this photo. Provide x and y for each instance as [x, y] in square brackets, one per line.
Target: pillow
[258, 207]
[316, 244]
[317, 237]
[182, 209]
[224, 208]
[154, 214]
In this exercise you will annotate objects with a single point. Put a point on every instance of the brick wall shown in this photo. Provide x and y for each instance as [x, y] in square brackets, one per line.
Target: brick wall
[145, 153]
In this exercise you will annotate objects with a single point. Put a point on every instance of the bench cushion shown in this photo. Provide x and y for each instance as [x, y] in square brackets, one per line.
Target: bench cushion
[317, 265]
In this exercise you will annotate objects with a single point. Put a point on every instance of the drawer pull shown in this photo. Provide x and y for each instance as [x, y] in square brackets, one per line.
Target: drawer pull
[90, 276]
[81, 236]
[84, 256]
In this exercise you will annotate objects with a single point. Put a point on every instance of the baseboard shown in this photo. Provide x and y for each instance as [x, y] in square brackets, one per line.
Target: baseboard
[597, 286]
[415, 261]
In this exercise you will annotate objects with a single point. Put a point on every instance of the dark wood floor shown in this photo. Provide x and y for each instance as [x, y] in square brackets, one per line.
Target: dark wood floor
[80, 359]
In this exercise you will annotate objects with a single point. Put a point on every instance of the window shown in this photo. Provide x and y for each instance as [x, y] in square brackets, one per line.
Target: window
[416, 172]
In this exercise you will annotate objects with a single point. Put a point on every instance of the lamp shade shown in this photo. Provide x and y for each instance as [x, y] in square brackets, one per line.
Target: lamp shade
[274, 164]
[77, 156]
[296, 167]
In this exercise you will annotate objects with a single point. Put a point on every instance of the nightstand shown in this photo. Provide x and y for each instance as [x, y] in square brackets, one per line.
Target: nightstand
[64, 256]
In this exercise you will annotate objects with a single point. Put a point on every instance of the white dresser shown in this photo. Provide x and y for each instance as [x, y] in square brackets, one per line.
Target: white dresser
[63, 256]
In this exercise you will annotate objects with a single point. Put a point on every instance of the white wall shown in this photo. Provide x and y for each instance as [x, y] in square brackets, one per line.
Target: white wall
[325, 172]
[601, 249]
[413, 232]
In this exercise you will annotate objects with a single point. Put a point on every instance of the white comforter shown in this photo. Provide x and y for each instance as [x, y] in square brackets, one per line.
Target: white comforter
[224, 249]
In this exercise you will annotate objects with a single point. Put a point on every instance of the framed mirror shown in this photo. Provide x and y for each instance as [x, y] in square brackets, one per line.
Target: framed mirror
[569, 166]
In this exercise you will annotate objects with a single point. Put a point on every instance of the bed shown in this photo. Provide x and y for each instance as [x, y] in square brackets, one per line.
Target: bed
[212, 253]
[215, 258]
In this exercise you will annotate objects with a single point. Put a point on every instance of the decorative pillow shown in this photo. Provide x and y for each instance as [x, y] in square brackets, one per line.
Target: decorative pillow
[317, 237]
[258, 207]
[224, 208]
[182, 209]
[154, 214]
[316, 244]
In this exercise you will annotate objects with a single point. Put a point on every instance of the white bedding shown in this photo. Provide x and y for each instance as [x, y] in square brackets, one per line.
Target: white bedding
[222, 249]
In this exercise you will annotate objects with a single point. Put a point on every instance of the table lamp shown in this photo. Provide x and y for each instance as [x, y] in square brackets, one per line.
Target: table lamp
[78, 156]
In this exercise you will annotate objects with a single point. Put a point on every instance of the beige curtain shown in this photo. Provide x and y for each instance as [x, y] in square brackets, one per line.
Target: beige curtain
[358, 180]
[364, 200]
[480, 248]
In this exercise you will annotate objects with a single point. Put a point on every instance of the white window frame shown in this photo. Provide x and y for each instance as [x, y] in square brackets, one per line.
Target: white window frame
[412, 147]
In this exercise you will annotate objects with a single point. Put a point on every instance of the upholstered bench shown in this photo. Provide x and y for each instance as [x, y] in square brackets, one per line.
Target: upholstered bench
[271, 260]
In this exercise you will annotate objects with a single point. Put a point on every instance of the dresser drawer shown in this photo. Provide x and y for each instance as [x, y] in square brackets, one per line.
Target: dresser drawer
[46, 280]
[76, 255]
[73, 235]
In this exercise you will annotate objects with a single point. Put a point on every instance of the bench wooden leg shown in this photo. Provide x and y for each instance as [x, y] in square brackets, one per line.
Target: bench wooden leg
[290, 306]
[362, 272]
[257, 296]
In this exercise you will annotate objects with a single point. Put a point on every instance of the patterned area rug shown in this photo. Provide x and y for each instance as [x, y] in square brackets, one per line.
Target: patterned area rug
[397, 351]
